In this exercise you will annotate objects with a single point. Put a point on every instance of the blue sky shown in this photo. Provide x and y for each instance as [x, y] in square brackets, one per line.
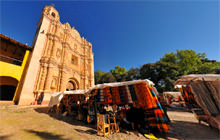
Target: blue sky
[125, 33]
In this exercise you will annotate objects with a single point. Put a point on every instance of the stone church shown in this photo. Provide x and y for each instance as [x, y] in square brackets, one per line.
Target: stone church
[61, 60]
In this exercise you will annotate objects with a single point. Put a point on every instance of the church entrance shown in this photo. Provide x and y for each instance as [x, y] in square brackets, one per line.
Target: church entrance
[70, 86]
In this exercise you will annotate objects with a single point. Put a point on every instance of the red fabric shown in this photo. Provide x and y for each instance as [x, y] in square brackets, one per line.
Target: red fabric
[107, 95]
[115, 95]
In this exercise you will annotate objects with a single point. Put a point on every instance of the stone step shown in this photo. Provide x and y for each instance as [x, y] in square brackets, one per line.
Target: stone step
[6, 102]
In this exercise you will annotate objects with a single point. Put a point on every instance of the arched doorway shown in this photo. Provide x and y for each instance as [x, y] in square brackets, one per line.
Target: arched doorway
[8, 86]
[70, 86]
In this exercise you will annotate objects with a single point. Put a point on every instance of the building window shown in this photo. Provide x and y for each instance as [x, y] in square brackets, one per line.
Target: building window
[53, 14]
[72, 61]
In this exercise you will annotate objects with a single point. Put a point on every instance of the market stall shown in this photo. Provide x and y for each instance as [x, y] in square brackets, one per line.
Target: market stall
[201, 94]
[58, 96]
[70, 102]
[173, 99]
[125, 95]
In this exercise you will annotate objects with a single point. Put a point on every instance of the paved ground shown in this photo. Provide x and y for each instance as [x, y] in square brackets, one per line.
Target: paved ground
[33, 123]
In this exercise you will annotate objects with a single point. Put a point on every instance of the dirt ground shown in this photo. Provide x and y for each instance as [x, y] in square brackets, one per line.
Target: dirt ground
[34, 123]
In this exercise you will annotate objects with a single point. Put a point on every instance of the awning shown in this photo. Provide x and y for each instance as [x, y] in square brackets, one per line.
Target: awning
[117, 84]
[186, 79]
[57, 97]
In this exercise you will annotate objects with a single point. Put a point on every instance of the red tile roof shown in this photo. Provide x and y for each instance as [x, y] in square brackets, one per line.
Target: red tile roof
[15, 42]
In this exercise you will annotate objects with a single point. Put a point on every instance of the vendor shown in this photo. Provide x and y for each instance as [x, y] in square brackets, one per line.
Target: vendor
[85, 111]
[122, 120]
[136, 116]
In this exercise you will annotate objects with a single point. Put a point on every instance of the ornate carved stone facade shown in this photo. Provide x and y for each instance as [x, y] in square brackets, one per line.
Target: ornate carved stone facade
[62, 58]
[67, 60]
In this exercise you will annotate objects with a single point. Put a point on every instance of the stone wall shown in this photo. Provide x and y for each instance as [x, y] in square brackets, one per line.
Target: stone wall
[64, 57]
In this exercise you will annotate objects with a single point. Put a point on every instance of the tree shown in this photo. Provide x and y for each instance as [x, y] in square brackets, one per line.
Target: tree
[207, 66]
[133, 74]
[107, 78]
[188, 61]
[119, 73]
[147, 71]
[166, 75]
[169, 58]
[163, 75]
[98, 74]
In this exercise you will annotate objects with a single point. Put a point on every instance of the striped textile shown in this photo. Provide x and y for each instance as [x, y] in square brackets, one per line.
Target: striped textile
[205, 98]
[128, 94]
[121, 93]
[102, 98]
[98, 95]
[107, 96]
[155, 97]
[132, 92]
[156, 119]
[143, 95]
[115, 95]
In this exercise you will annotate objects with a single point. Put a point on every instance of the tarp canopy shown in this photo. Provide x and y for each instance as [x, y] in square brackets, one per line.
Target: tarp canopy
[205, 90]
[117, 84]
[184, 80]
[58, 96]
[175, 94]
[140, 92]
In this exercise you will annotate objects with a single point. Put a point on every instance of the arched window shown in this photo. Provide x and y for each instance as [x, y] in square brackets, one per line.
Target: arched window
[53, 14]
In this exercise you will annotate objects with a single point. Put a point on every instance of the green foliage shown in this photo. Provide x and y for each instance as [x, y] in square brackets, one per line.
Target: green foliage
[164, 72]
[119, 73]
[147, 72]
[169, 58]
[163, 75]
[107, 78]
[188, 61]
[98, 74]
[133, 74]
[208, 67]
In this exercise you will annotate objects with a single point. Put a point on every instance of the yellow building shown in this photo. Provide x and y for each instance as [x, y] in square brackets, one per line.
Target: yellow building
[13, 60]
[61, 60]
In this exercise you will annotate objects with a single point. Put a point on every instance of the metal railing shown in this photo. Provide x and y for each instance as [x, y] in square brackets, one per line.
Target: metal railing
[10, 60]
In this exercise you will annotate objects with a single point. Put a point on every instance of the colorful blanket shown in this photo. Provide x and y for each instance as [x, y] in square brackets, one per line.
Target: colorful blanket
[143, 95]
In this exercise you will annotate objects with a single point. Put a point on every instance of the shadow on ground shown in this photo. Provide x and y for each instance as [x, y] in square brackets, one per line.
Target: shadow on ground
[46, 135]
[191, 130]
[68, 119]
[6, 137]
[90, 131]
[179, 129]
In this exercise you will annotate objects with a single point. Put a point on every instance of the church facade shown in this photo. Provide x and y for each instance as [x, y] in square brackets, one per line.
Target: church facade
[61, 60]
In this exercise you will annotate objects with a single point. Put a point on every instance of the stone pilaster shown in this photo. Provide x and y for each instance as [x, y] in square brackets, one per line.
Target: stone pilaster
[42, 78]
[48, 79]
[63, 81]
[48, 47]
[53, 52]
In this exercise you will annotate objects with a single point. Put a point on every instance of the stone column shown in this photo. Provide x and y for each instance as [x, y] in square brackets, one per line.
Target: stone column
[42, 78]
[53, 51]
[47, 49]
[65, 54]
[48, 79]
[92, 71]
[38, 79]
[63, 81]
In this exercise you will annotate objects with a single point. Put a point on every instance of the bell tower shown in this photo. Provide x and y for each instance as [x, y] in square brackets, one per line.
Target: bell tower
[27, 87]
[61, 60]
